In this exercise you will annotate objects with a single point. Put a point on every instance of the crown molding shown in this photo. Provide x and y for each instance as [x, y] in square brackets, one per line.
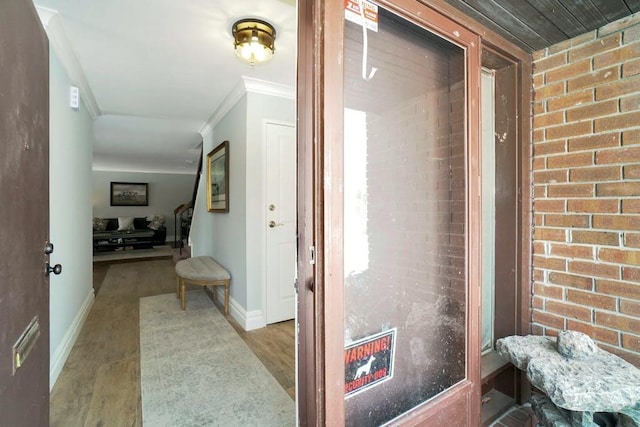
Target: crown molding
[246, 85]
[52, 23]
[145, 171]
[268, 88]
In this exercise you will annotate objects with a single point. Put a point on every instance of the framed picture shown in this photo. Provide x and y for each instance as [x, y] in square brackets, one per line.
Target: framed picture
[129, 194]
[218, 178]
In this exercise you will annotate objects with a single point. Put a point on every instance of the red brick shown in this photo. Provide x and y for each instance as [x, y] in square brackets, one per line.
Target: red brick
[594, 269]
[597, 174]
[595, 237]
[619, 189]
[630, 103]
[617, 89]
[548, 205]
[568, 310]
[631, 171]
[632, 240]
[632, 308]
[595, 332]
[593, 110]
[568, 221]
[548, 291]
[594, 79]
[538, 135]
[631, 137]
[593, 205]
[548, 91]
[551, 119]
[538, 220]
[540, 191]
[538, 55]
[619, 155]
[619, 256]
[538, 275]
[570, 160]
[631, 342]
[632, 34]
[591, 142]
[548, 319]
[556, 264]
[572, 251]
[617, 56]
[570, 100]
[631, 68]
[591, 299]
[631, 205]
[618, 121]
[615, 321]
[617, 222]
[549, 62]
[568, 71]
[546, 177]
[546, 148]
[539, 107]
[630, 273]
[537, 302]
[597, 46]
[620, 24]
[572, 129]
[571, 280]
[619, 289]
[537, 330]
[571, 190]
[538, 248]
[549, 234]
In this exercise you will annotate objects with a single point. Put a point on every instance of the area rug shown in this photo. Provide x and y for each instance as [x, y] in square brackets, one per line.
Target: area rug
[197, 371]
[155, 252]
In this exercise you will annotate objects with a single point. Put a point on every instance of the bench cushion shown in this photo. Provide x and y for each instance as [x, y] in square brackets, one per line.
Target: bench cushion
[201, 268]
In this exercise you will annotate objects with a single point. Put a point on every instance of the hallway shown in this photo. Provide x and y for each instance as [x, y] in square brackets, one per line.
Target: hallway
[100, 382]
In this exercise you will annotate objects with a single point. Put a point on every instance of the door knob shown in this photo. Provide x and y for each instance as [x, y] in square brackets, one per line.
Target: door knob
[273, 224]
[56, 269]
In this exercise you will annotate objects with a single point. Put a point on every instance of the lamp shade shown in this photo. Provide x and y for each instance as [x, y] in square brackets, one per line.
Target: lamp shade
[254, 40]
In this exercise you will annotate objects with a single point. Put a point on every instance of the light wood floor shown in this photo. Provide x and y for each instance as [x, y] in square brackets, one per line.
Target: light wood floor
[100, 382]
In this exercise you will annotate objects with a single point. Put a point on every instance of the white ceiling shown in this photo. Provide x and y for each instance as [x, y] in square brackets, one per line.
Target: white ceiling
[153, 72]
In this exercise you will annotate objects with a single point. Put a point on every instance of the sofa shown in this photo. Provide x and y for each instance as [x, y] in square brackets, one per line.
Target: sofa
[123, 233]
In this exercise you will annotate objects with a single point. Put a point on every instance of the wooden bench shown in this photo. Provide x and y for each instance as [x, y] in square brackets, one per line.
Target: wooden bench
[201, 271]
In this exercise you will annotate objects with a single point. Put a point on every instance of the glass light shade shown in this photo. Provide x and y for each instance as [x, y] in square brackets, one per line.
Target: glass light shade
[254, 40]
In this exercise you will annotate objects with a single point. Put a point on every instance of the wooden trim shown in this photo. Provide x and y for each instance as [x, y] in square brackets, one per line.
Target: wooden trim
[332, 178]
[308, 369]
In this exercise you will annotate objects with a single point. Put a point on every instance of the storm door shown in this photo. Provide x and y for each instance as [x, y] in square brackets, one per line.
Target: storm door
[401, 216]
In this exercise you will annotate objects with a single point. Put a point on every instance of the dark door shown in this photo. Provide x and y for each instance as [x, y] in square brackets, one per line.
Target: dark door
[393, 150]
[24, 197]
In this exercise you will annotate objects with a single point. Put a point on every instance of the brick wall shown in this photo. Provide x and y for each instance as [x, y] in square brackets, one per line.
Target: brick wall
[586, 187]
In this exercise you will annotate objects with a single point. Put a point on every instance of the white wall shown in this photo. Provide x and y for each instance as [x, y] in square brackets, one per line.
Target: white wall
[166, 192]
[237, 239]
[71, 146]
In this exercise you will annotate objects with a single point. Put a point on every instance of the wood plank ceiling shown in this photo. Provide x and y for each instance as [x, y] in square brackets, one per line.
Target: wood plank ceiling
[536, 24]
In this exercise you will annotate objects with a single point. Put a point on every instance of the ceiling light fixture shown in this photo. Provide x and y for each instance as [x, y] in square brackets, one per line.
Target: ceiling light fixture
[254, 40]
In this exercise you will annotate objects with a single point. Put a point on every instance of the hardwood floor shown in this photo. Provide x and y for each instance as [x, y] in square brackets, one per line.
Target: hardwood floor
[100, 382]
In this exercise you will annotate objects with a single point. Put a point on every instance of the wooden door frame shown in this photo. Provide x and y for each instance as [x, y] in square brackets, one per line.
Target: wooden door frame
[320, 30]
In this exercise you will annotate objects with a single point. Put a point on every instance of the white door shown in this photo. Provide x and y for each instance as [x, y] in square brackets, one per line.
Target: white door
[280, 221]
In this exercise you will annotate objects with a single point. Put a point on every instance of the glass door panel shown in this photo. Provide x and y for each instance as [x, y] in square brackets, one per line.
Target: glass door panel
[405, 218]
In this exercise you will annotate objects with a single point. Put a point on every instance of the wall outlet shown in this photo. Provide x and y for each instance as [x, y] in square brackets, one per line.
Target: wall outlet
[74, 97]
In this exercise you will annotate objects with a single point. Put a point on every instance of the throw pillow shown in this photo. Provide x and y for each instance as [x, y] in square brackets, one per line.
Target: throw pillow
[99, 224]
[125, 223]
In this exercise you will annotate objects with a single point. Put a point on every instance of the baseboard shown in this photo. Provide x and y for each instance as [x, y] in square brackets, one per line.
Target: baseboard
[249, 320]
[62, 352]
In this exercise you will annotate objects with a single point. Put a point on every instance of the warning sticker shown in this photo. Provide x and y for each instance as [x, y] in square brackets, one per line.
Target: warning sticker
[352, 13]
[368, 362]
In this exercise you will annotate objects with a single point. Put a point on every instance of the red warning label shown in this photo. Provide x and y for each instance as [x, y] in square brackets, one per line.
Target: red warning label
[369, 361]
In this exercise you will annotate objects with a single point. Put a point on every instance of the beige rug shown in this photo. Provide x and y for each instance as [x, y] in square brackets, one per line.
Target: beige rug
[155, 252]
[197, 371]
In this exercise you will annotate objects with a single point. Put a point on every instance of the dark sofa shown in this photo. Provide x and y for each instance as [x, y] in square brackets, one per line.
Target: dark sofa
[112, 234]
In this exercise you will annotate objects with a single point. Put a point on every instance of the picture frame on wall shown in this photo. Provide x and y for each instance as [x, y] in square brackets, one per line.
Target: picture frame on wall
[218, 178]
[129, 194]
